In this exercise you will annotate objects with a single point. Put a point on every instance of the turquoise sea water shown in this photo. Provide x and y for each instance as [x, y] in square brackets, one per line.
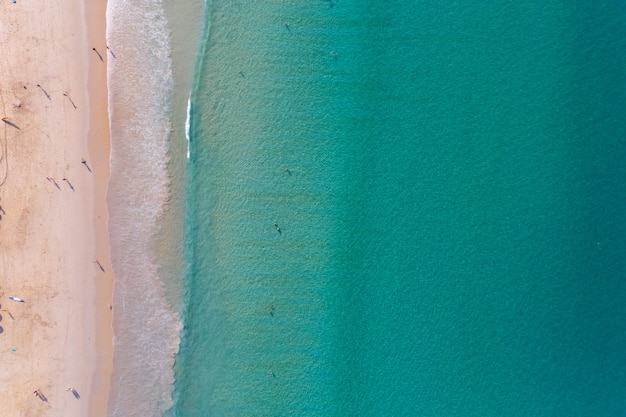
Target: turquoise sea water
[448, 181]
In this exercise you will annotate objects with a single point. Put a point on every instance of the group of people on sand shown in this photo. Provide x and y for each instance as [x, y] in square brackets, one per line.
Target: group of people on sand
[42, 397]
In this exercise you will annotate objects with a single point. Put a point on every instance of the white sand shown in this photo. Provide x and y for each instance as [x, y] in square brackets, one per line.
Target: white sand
[60, 337]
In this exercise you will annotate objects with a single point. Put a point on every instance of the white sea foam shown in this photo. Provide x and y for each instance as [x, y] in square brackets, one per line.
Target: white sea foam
[188, 124]
[146, 329]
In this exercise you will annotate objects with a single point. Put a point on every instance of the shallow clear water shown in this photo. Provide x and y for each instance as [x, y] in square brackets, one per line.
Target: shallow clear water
[405, 209]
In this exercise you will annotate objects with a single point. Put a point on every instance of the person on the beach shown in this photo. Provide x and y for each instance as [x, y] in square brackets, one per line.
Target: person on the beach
[99, 56]
[86, 166]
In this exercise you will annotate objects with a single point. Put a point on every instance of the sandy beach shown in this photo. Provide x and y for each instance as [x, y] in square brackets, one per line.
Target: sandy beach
[54, 250]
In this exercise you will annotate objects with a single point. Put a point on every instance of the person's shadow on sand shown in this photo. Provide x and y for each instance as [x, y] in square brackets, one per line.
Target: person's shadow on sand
[11, 124]
[40, 395]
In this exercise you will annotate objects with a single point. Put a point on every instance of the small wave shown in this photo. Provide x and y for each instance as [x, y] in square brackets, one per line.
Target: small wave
[188, 123]
[146, 329]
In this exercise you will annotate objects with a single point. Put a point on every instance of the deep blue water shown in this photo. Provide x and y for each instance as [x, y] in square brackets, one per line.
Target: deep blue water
[406, 209]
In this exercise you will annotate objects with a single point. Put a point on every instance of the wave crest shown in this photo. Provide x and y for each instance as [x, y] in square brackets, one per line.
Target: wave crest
[146, 329]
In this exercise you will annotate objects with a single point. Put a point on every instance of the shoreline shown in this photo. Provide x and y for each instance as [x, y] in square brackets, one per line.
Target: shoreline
[53, 228]
[99, 145]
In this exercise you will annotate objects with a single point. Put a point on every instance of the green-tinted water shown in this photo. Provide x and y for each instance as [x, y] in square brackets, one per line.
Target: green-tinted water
[449, 186]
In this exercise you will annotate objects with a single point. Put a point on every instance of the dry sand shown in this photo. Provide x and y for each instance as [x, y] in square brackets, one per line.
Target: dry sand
[53, 230]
